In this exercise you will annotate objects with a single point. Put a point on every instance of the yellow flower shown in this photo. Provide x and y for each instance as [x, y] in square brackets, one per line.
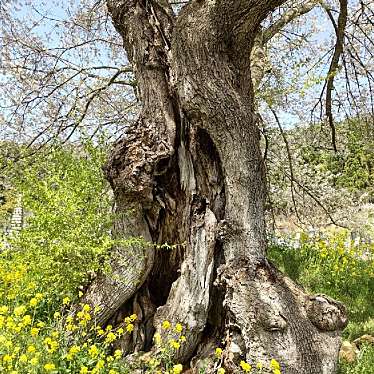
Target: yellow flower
[54, 334]
[31, 349]
[8, 344]
[84, 370]
[110, 338]
[177, 369]
[34, 361]
[130, 327]
[51, 344]
[178, 328]
[120, 331]
[100, 364]
[274, 364]
[66, 300]
[26, 320]
[111, 371]
[70, 327]
[133, 317]
[174, 344]
[221, 371]
[218, 352]
[83, 322]
[18, 328]
[182, 338]
[276, 371]
[245, 366]
[166, 325]
[93, 351]
[109, 328]
[40, 324]
[86, 308]
[19, 310]
[23, 358]
[117, 354]
[33, 302]
[7, 358]
[74, 349]
[4, 309]
[56, 315]
[34, 331]
[100, 332]
[49, 366]
[39, 296]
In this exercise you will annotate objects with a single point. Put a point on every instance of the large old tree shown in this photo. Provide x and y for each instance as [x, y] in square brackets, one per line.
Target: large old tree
[190, 172]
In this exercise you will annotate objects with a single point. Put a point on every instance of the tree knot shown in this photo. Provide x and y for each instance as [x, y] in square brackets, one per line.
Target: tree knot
[325, 313]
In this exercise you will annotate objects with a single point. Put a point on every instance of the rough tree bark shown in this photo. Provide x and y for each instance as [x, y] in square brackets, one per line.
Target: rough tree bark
[190, 172]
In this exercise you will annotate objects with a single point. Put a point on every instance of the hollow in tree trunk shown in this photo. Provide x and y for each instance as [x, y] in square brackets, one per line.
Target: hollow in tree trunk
[190, 172]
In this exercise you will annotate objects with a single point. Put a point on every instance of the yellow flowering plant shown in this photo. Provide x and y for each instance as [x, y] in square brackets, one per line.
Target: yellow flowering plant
[31, 346]
[167, 342]
[331, 264]
[68, 197]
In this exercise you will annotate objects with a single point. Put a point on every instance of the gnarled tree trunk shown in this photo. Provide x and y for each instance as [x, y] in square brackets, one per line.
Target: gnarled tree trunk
[190, 172]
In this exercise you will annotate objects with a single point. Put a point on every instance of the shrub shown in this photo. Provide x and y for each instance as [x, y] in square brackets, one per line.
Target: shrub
[67, 232]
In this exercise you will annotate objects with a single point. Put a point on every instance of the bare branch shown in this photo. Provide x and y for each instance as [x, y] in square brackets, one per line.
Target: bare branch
[334, 65]
[286, 18]
[292, 179]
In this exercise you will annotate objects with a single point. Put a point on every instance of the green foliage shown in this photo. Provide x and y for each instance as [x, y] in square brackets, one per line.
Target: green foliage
[364, 364]
[328, 266]
[356, 329]
[66, 236]
[346, 273]
[353, 166]
[7, 204]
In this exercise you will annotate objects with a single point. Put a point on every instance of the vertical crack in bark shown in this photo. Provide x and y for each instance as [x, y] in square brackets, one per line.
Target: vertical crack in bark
[189, 298]
[223, 107]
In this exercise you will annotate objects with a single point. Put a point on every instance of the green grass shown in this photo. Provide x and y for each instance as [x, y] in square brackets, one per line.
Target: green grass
[328, 267]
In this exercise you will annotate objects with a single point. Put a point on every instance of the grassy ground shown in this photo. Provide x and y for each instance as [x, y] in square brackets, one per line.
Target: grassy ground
[328, 266]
